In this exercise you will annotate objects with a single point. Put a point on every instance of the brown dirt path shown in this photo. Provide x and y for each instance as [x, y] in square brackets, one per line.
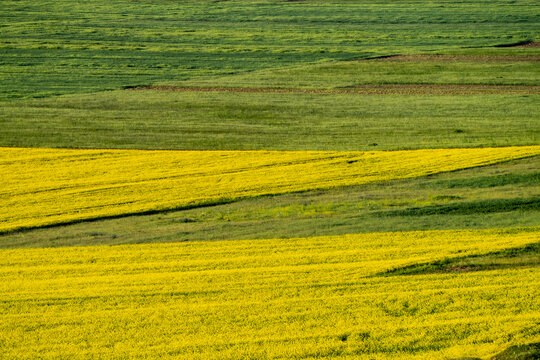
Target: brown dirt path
[369, 89]
[450, 58]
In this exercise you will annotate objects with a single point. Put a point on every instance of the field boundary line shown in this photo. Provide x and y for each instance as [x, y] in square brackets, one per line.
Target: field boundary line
[367, 89]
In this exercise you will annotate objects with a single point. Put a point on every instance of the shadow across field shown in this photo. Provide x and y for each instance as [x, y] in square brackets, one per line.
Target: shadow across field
[520, 257]
[520, 352]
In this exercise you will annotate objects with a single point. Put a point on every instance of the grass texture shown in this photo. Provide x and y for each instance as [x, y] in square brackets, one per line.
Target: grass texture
[48, 186]
[301, 298]
[194, 120]
[59, 47]
[474, 98]
[485, 67]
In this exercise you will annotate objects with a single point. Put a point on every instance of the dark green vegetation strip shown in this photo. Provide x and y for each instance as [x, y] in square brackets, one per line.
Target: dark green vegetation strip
[516, 352]
[488, 181]
[526, 256]
[486, 66]
[330, 212]
[66, 46]
[378, 89]
[471, 207]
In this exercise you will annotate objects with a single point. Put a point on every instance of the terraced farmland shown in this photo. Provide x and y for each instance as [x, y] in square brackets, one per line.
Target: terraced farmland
[265, 179]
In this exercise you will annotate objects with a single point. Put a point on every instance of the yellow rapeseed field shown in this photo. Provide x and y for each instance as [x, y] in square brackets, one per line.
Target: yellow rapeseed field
[302, 298]
[50, 186]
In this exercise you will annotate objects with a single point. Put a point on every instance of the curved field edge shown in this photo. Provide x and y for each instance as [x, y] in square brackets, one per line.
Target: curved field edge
[43, 187]
[296, 298]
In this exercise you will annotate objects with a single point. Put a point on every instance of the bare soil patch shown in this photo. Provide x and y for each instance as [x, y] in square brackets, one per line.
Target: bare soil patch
[522, 44]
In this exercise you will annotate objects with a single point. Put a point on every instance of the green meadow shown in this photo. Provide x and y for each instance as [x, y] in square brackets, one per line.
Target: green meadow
[60, 47]
[429, 101]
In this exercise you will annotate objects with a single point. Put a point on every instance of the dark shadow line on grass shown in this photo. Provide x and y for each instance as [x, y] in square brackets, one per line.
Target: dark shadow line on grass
[468, 208]
[515, 352]
[515, 44]
[23, 229]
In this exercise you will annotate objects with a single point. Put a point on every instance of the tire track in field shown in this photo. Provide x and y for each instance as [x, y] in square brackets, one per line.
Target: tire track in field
[367, 89]
[451, 58]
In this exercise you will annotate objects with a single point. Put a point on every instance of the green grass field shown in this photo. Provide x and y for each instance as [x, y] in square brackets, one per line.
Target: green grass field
[463, 102]
[60, 47]
[444, 266]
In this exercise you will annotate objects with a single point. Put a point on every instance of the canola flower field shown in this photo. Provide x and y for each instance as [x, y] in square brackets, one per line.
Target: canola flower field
[269, 179]
[302, 298]
[50, 186]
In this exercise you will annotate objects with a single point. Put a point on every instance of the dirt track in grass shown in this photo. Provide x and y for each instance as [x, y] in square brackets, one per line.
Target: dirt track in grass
[368, 89]
[451, 58]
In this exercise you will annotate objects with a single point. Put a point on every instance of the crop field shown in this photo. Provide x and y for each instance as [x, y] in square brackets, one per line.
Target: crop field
[461, 99]
[270, 179]
[500, 195]
[304, 298]
[44, 187]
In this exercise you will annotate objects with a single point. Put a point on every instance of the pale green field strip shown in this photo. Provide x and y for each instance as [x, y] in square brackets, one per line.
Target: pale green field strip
[301, 298]
[270, 121]
[50, 186]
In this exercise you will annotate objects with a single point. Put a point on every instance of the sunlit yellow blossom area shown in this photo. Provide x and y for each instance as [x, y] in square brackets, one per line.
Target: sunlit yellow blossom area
[300, 298]
[52, 186]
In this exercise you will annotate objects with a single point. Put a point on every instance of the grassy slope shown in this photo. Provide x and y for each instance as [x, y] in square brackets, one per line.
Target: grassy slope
[60, 47]
[520, 352]
[283, 121]
[393, 206]
[519, 257]
[205, 121]
[486, 66]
